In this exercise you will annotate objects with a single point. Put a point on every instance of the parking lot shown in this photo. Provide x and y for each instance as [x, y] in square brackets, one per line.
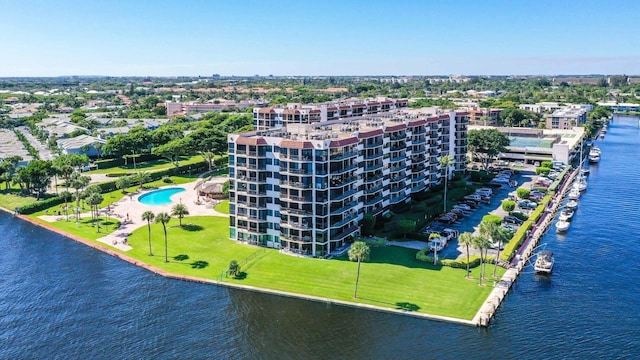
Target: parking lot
[470, 222]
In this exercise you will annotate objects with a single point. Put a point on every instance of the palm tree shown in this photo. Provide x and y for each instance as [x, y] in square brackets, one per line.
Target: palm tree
[164, 218]
[501, 235]
[149, 216]
[434, 236]
[481, 243]
[466, 239]
[208, 156]
[359, 252]
[141, 177]
[488, 231]
[446, 162]
[180, 211]
[78, 182]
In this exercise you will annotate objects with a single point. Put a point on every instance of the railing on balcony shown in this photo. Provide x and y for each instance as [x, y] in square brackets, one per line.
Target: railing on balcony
[343, 155]
[295, 238]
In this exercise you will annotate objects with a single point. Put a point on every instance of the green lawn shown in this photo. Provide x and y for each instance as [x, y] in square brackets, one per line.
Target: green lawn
[222, 207]
[392, 278]
[153, 165]
[84, 228]
[10, 200]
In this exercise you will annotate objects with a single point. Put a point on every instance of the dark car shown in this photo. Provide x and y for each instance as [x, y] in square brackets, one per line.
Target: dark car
[512, 220]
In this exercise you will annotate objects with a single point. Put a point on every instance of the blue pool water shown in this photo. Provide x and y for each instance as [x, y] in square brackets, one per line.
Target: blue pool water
[159, 197]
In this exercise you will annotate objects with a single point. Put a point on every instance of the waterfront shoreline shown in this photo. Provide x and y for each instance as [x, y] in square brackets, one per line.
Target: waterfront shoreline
[174, 276]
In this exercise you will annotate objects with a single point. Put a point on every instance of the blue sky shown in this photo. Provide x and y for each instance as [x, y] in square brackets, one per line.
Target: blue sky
[168, 38]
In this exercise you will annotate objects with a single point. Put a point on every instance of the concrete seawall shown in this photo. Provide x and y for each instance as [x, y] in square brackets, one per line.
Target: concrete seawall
[523, 255]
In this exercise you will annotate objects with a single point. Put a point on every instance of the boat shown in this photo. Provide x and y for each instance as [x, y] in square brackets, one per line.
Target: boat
[572, 204]
[594, 156]
[601, 135]
[562, 226]
[584, 172]
[595, 149]
[566, 215]
[574, 194]
[580, 184]
[544, 262]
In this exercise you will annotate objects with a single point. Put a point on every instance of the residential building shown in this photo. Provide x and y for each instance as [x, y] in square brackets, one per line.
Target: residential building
[180, 109]
[83, 144]
[484, 116]
[304, 188]
[10, 145]
[565, 118]
[265, 118]
[621, 107]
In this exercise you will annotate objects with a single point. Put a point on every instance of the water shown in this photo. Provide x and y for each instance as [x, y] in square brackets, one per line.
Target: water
[61, 299]
[159, 197]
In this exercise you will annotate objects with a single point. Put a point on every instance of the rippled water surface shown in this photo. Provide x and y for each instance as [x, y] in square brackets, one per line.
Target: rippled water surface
[60, 299]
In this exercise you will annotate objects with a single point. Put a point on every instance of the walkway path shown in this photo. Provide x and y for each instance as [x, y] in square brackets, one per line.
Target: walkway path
[129, 211]
[43, 152]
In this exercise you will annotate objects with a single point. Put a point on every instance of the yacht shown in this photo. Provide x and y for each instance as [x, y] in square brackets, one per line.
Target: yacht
[580, 184]
[594, 157]
[544, 262]
[572, 204]
[566, 215]
[584, 172]
[562, 226]
[574, 194]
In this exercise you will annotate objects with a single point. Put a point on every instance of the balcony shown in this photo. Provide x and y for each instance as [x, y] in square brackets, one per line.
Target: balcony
[292, 171]
[299, 212]
[373, 167]
[344, 221]
[305, 199]
[295, 238]
[344, 234]
[375, 200]
[344, 195]
[373, 145]
[299, 158]
[373, 156]
[343, 155]
[295, 185]
[373, 189]
[398, 199]
[295, 225]
[372, 179]
[346, 207]
[337, 171]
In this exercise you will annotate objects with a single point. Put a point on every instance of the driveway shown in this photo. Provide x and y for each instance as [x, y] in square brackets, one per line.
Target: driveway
[44, 153]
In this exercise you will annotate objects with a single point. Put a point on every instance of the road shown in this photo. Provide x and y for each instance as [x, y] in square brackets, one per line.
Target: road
[44, 153]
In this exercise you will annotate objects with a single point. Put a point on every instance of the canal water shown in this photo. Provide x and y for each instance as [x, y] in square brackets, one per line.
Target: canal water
[60, 299]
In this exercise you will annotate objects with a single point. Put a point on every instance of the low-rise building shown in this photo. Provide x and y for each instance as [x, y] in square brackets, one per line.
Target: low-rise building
[10, 146]
[565, 118]
[83, 144]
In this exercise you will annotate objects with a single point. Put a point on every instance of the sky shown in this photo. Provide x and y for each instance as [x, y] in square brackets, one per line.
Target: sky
[281, 38]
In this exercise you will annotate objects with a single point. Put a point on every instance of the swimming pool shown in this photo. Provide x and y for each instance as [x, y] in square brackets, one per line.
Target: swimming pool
[159, 197]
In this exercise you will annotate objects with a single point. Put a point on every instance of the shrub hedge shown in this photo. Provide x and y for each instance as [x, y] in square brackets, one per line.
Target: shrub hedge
[40, 205]
[508, 205]
[474, 261]
[490, 218]
[119, 161]
[523, 193]
[517, 239]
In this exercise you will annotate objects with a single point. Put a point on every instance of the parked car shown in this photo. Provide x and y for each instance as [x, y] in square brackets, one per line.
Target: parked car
[527, 204]
[512, 220]
[500, 180]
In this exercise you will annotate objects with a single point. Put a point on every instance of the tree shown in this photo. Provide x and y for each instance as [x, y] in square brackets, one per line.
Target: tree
[180, 211]
[466, 239]
[164, 218]
[39, 175]
[141, 177]
[233, 269]
[148, 216]
[368, 225]
[432, 237]
[486, 144]
[508, 205]
[123, 183]
[65, 195]
[79, 182]
[406, 226]
[172, 151]
[94, 202]
[481, 243]
[208, 156]
[501, 235]
[446, 162]
[359, 252]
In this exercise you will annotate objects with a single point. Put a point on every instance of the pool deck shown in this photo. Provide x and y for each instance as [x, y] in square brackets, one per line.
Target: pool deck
[129, 211]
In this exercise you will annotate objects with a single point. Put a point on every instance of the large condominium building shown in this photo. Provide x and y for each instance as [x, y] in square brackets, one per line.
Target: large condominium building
[565, 118]
[305, 188]
[265, 118]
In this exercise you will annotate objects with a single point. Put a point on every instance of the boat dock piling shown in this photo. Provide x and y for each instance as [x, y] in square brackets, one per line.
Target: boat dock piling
[501, 289]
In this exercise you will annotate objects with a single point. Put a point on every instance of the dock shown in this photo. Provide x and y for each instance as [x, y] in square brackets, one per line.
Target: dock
[488, 309]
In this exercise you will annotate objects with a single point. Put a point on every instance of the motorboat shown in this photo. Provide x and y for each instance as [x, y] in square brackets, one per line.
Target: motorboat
[574, 194]
[580, 184]
[594, 157]
[572, 204]
[595, 149]
[585, 171]
[566, 215]
[562, 226]
[544, 262]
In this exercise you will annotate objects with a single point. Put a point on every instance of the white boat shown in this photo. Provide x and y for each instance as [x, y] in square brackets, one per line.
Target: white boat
[566, 215]
[595, 150]
[574, 194]
[572, 204]
[544, 262]
[580, 184]
[594, 157]
[584, 172]
[562, 226]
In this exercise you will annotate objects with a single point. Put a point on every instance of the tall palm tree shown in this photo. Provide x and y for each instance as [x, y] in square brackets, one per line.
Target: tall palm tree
[148, 216]
[481, 243]
[180, 211]
[164, 218]
[501, 235]
[488, 231]
[466, 239]
[78, 182]
[446, 162]
[359, 252]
